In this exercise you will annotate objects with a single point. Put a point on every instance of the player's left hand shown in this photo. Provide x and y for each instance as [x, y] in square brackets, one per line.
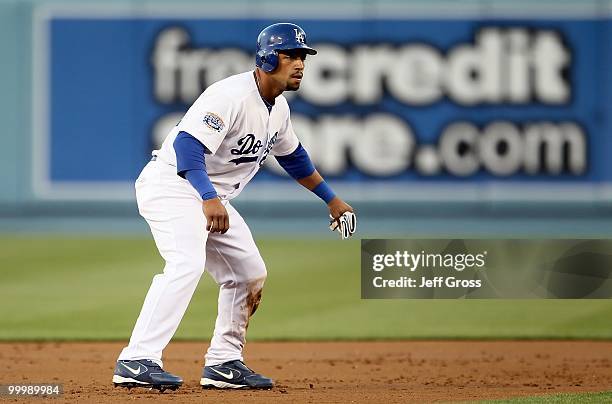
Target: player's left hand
[342, 218]
[337, 207]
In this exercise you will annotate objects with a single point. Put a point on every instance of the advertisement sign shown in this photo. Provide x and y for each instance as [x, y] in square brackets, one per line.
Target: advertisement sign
[430, 108]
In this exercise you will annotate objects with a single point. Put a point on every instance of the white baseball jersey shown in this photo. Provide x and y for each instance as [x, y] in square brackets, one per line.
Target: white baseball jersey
[234, 124]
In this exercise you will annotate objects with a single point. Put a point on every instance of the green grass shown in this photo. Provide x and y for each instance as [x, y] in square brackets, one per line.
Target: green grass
[92, 288]
[563, 398]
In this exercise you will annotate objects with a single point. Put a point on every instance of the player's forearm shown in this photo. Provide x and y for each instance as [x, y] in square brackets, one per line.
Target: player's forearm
[311, 181]
[299, 166]
[315, 183]
[200, 181]
[190, 164]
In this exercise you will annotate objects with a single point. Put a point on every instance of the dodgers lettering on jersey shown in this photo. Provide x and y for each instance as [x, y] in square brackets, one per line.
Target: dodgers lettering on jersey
[234, 124]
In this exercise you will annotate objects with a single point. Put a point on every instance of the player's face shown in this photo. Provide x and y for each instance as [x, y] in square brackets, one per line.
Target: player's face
[290, 68]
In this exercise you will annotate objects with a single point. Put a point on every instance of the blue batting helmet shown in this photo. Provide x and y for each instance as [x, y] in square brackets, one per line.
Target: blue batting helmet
[281, 36]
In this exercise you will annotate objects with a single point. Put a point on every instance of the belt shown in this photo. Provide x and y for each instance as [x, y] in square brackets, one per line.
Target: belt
[156, 157]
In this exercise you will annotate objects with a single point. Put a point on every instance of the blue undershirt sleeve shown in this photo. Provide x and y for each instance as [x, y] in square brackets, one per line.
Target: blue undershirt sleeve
[297, 164]
[200, 181]
[190, 164]
[189, 153]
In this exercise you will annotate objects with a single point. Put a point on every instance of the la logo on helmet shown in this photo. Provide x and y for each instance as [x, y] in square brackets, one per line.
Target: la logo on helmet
[298, 36]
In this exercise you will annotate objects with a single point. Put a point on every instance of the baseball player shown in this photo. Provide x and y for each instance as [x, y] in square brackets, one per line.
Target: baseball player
[185, 195]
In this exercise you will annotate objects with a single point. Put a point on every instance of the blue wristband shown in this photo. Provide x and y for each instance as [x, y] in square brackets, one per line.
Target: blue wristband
[324, 192]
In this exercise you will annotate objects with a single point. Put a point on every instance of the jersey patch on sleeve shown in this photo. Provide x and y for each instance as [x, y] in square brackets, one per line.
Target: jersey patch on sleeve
[214, 121]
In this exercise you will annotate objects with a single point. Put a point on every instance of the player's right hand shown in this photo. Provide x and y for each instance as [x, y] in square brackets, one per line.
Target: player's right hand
[217, 218]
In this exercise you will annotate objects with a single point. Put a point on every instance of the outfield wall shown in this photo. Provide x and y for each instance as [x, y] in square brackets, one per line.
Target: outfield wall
[487, 110]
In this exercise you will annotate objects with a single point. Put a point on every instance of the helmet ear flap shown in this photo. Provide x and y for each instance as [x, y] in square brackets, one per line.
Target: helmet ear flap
[271, 61]
[267, 60]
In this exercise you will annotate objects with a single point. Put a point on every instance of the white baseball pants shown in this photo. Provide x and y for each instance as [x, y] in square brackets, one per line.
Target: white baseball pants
[173, 210]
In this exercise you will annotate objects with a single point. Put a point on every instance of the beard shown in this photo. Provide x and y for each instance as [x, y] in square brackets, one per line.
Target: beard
[292, 86]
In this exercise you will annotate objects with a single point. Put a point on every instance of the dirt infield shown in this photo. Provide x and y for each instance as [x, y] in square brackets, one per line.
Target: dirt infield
[417, 371]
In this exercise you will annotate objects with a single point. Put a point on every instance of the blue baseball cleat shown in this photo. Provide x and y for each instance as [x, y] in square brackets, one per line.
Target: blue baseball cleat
[233, 375]
[144, 373]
